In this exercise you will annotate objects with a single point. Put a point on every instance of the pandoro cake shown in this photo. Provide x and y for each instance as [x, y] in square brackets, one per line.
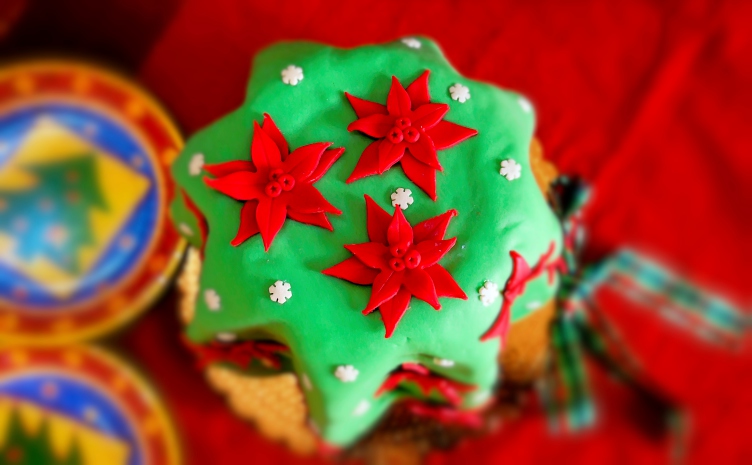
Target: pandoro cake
[371, 227]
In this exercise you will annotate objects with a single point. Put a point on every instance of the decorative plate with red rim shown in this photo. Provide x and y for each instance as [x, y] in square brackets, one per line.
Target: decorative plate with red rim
[85, 244]
[80, 406]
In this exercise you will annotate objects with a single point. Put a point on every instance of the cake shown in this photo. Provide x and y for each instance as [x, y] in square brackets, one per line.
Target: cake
[370, 229]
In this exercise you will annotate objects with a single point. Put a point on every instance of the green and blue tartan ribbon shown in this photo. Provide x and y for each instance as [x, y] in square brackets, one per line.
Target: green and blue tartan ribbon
[580, 328]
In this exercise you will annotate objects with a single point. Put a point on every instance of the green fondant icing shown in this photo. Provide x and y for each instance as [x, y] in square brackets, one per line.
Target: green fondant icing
[322, 322]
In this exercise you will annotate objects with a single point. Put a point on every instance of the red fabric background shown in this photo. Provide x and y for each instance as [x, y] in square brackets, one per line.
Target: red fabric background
[648, 101]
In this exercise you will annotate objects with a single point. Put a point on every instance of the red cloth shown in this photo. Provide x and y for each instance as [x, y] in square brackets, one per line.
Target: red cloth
[649, 101]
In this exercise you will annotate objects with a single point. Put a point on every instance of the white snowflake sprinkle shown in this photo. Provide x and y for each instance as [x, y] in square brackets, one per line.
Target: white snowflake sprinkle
[412, 42]
[510, 169]
[460, 93]
[488, 292]
[196, 164]
[533, 305]
[185, 229]
[306, 382]
[443, 362]
[226, 337]
[292, 75]
[525, 104]
[402, 198]
[346, 373]
[212, 300]
[362, 408]
[280, 291]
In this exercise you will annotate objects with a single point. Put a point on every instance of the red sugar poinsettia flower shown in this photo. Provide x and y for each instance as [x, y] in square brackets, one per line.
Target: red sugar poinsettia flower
[427, 382]
[409, 129]
[400, 262]
[276, 184]
[515, 287]
[240, 353]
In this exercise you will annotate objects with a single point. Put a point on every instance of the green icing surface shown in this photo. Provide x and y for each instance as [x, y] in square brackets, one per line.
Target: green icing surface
[322, 322]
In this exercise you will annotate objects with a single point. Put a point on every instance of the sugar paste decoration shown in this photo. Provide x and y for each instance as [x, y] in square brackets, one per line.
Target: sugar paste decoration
[400, 262]
[346, 373]
[442, 362]
[362, 407]
[402, 198]
[212, 300]
[240, 353]
[488, 293]
[510, 169]
[292, 75]
[427, 382]
[280, 292]
[276, 184]
[459, 93]
[412, 42]
[515, 287]
[525, 104]
[409, 129]
[196, 165]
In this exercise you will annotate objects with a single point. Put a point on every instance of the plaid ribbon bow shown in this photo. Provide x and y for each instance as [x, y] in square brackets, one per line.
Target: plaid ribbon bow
[580, 328]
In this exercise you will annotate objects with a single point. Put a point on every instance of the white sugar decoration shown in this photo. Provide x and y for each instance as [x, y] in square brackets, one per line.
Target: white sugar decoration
[442, 362]
[226, 337]
[412, 42]
[280, 292]
[362, 408]
[479, 397]
[213, 302]
[196, 164]
[185, 229]
[402, 198]
[292, 75]
[488, 292]
[533, 305]
[460, 93]
[525, 104]
[346, 373]
[510, 169]
[306, 382]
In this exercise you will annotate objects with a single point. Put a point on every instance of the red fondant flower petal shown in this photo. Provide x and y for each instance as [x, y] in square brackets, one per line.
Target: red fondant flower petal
[223, 169]
[377, 220]
[241, 185]
[315, 219]
[365, 108]
[376, 125]
[433, 228]
[270, 216]
[389, 154]
[353, 270]
[385, 286]
[308, 199]
[270, 127]
[500, 327]
[420, 284]
[326, 162]
[372, 254]
[398, 102]
[248, 225]
[418, 90]
[302, 161]
[429, 115]
[424, 151]
[400, 231]
[393, 310]
[446, 134]
[432, 251]
[264, 151]
[421, 174]
[368, 163]
[445, 284]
